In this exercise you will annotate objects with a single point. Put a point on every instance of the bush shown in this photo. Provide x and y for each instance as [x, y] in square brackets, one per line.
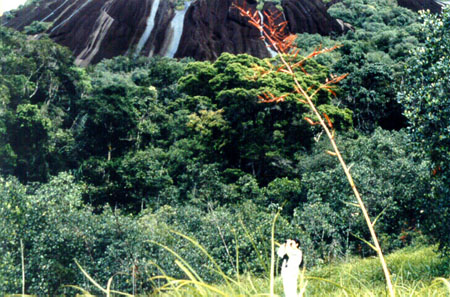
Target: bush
[56, 228]
[392, 180]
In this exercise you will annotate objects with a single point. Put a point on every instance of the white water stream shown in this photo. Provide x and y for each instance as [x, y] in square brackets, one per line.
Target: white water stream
[53, 12]
[71, 16]
[176, 28]
[271, 51]
[443, 3]
[102, 26]
[149, 27]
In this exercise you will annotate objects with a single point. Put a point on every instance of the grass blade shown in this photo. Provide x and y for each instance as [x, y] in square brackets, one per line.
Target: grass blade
[272, 254]
[90, 278]
[366, 242]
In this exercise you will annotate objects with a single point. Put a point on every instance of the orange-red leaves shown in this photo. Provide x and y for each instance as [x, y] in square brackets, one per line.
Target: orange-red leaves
[311, 122]
[335, 79]
[436, 170]
[274, 31]
[328, 121]
[330, 82]
[319, 50]
[286, 43]
[329, 89]
[268, 97]
[281, 68]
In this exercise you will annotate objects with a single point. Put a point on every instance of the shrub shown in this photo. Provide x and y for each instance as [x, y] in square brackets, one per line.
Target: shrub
[426, 99]
[37, 27]
[393, 180]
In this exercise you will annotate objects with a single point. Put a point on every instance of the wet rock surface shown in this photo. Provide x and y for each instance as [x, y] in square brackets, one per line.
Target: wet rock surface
[97, 29]
[309, 17]
[417, 5]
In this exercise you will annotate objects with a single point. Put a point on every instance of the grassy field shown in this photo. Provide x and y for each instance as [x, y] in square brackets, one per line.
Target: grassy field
[415, 272]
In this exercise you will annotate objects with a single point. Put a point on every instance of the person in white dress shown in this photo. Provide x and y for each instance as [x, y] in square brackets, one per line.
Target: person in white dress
[292, 257]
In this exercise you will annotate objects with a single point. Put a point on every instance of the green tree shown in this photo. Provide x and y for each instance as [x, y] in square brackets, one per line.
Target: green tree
[145, 180]
[373, 55]
[29, 136]
[259, 139]
[285, 193]
[125, 129]
[110, 117]
[38, 80]
[426, 99]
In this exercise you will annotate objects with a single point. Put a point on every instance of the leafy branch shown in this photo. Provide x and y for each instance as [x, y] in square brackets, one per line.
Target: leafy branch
[275, 33]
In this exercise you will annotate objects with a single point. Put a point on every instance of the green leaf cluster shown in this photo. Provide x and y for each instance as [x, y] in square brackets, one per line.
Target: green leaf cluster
[425, 96]
[373, 54]
[37, 27]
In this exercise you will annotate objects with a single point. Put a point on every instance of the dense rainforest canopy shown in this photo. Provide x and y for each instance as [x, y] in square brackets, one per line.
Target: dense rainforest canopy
[98, 162]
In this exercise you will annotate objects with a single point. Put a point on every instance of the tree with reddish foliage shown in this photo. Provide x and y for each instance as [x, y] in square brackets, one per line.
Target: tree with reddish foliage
[289, 62]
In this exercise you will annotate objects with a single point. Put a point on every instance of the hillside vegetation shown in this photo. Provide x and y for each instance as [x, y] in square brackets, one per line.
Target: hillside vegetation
[101, 164]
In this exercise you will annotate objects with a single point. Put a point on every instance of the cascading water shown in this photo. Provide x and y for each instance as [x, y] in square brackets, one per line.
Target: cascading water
[71, 16]
[176, 27]
[62, 13]
[102, 25]
[443, 3]
[284, 16]
[271, 51]
[53, 12]
[148, 28]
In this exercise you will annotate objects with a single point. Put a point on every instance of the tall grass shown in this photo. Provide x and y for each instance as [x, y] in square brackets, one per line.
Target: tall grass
[414, 272]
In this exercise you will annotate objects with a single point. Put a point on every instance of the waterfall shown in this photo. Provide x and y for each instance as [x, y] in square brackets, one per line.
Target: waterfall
[176, 27]
[149, 27]
[102, 26]
[53, 12]
[271, 51]
[443, 3]
[60, 15]
[71, 16]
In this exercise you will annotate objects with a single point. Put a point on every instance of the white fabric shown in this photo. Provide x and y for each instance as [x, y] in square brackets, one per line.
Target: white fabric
[290, 267]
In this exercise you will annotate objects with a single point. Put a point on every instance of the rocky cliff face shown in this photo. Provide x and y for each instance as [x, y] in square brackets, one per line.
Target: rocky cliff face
[203, 29]
[417, 5]
[213, 27]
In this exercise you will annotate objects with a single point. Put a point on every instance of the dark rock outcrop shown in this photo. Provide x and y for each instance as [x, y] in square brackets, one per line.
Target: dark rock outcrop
[417, 5]
[97, 29]
[309, 17]
[332, 2]
[214, 27]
